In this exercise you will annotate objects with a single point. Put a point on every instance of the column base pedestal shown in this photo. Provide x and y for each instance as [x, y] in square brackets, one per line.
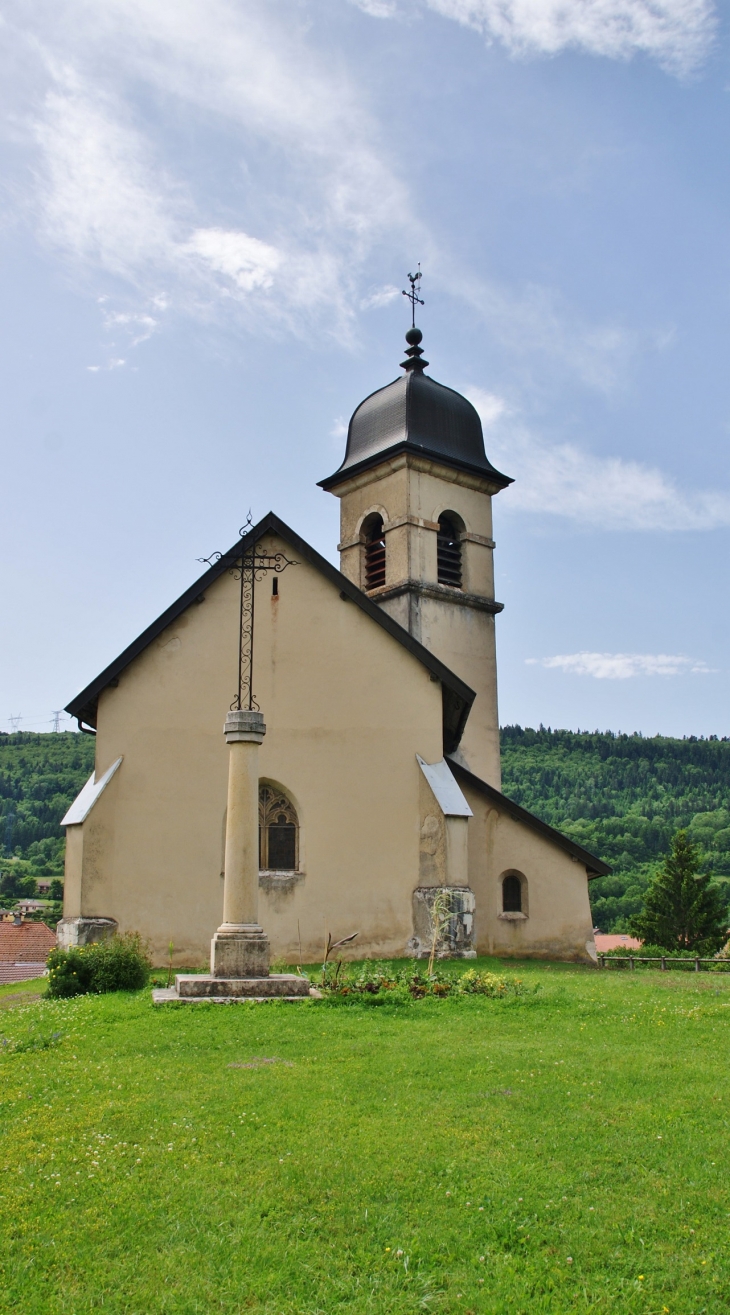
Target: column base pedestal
[239, 950]
[191, 988]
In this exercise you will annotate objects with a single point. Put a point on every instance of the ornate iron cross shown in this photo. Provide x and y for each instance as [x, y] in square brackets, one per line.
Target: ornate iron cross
[248, 565]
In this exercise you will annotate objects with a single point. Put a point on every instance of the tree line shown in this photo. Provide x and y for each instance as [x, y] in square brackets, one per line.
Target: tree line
[624, 797]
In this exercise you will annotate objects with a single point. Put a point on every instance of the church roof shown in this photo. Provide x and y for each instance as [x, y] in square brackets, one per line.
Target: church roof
[416, 414]
[457, 695]
[594, 866]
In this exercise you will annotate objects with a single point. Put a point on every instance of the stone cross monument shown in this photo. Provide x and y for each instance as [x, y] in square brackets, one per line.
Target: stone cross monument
[239, 951]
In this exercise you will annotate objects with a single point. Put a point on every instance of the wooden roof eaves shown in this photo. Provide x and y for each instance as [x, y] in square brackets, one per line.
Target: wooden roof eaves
[594, 866]
[458, 696]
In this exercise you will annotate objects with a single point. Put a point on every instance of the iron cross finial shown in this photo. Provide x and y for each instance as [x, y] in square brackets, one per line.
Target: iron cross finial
[412, 293]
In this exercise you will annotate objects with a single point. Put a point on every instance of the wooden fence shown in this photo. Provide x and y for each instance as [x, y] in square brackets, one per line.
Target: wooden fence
[721, 965]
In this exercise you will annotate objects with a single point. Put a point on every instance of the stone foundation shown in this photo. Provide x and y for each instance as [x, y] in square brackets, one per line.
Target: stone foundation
[83, 931]
[457, 937]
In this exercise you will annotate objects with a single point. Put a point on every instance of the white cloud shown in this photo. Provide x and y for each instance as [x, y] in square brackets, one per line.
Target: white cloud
[604, 493]
[247, 261]
[380, 297]
[114, 363]
[622, 666]
[490, 406]
[315, 192]
[677, 33]
[377, 8]
[319, 189]
[97, 198]
[536, 321]
[136, 324]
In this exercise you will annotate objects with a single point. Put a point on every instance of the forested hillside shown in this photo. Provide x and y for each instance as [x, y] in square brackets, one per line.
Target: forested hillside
[623, 797]
[40, 775]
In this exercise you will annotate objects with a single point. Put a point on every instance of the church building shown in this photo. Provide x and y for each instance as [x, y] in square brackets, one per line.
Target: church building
[379, 770]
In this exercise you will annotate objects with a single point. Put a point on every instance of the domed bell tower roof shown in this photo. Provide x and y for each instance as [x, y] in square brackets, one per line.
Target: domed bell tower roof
[416, 414]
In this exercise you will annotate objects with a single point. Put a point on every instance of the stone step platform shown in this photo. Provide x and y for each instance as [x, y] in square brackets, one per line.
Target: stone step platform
[194, 987]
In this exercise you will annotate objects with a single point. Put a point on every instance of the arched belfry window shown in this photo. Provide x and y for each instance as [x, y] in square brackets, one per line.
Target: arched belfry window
[278, 831]
[374, 540]
[448, 549]
[511, 895]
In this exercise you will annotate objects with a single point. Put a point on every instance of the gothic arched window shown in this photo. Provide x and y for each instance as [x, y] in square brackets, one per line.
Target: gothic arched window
[374, 539]
[511, 894]
[448, 550]
[278, 832]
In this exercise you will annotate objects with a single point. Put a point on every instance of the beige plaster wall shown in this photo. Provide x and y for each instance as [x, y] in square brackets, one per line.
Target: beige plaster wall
[346, 708]
[559, 924]
[411, 494]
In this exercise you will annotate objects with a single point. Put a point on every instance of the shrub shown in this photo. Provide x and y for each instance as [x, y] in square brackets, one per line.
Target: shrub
[474, 982]
[118, 964]
[69, 971]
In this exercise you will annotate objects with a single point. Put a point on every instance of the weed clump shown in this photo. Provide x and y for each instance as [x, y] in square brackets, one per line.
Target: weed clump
[118, 964]
[378, 983]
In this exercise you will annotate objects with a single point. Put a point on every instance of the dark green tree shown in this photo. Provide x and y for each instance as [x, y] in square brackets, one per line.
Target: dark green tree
[683, 910]
[14, 886]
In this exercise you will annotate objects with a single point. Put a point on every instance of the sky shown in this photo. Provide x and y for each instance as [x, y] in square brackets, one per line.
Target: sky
[208, 211]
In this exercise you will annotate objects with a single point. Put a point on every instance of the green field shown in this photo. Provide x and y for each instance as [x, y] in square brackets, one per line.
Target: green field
[561, 1151]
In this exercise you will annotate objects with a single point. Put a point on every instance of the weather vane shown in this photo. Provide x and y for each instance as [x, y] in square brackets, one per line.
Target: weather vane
[412, 293]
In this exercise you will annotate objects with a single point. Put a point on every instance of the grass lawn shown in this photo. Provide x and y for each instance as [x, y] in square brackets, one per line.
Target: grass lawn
[561, 1151]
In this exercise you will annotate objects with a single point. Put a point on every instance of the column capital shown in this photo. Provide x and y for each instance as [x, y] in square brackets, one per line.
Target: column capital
[244, 724]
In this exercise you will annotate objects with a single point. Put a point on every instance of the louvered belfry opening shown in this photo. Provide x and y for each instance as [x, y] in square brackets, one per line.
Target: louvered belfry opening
[449, 553]
[511, 895]
[374, 553]
[278, 832]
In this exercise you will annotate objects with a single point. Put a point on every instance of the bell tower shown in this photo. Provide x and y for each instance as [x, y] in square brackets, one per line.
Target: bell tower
[415, 492]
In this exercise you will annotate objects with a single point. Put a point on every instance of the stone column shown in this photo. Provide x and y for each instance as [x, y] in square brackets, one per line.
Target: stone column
[240, 948]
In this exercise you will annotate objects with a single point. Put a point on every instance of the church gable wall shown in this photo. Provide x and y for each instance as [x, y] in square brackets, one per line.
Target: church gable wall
[346, 707]
[555, 917]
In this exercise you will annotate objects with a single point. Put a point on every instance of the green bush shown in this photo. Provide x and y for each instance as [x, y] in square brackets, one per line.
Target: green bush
[119, 964]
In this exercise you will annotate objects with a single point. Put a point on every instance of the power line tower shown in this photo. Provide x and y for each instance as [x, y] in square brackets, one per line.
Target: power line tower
[57, 719]
[15, 721]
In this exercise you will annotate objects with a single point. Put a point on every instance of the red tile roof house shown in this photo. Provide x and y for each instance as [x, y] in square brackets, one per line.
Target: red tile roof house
[606, 943]
[24, 948]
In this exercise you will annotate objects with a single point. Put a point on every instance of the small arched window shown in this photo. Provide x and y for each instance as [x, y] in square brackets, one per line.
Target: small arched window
[511, 895]
[278, 832]
[448, 549]
[374, 537]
